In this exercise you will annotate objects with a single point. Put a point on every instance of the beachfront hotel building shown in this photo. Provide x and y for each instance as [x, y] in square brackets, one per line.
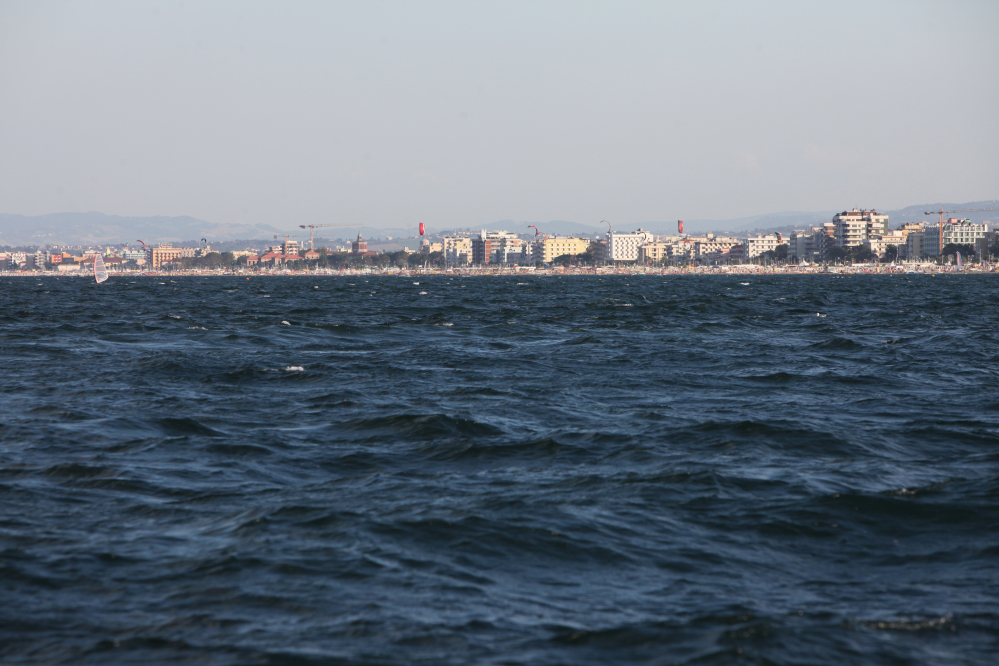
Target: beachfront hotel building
[757, 246]
[879, 243]
[549, 249]
[652, 253]
[625, 246]
[713, 248]
[958, 232]
[457, 250]
[498, 247]
[166, 252]
[853, 227]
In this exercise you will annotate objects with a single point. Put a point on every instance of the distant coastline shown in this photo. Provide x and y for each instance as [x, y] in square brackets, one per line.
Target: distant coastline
[735, 269]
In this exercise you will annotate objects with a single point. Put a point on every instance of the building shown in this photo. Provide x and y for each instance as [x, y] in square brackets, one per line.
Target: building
[853, 227]
[457, 250]
[600, 251]
[710, 248]
[879, 243]
[311, 255]
[914, 245]
[984, 244]
[625, 246]
[955, 231]
[165, 253]
[426, 247]
[801, 245]
[272, 258]
[548, 249]
[499, 247]
[359, 246]
[757, 246]
[289, 246]
[812, 244]
[654, 252]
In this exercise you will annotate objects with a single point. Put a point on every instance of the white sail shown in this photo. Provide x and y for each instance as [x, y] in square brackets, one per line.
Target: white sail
[100, 272]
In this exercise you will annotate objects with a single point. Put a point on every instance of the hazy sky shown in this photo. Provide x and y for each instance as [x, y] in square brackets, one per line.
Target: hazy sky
[463, 113]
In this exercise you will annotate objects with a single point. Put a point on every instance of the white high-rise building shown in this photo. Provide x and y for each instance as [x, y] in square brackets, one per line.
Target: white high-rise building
[624, 246]
[757, 246]
[855, 226]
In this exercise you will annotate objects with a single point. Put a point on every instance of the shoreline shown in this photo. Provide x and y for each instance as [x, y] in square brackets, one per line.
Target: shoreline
[914, 269]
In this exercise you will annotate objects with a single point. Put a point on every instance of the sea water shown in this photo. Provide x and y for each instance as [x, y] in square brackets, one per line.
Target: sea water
[491, 470]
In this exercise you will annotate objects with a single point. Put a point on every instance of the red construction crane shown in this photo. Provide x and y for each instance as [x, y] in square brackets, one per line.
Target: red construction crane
[940, 224]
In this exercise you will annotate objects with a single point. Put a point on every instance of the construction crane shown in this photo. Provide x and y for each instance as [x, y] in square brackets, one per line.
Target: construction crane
[312, 230]
[940, 224]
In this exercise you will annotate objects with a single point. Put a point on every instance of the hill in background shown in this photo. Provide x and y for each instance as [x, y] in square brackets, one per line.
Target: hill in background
[99, 228]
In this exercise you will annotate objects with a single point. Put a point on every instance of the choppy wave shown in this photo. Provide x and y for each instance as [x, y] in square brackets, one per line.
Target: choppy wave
[500, 471]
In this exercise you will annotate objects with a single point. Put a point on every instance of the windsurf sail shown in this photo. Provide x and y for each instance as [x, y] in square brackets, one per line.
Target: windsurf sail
[959, 264]
[100, 272]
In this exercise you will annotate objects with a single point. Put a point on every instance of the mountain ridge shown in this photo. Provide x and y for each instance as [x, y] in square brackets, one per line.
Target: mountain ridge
[92, 228]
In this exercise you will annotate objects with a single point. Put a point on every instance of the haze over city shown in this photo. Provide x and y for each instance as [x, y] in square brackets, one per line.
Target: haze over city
[459, 114]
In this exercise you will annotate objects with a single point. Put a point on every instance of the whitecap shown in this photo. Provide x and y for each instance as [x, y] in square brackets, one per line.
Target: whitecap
[294, 368]
[285, 323]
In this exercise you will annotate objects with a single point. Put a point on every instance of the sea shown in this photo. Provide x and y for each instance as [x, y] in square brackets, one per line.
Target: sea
[621, 469]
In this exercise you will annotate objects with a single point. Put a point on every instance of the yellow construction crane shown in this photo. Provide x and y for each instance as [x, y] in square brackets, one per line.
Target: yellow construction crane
[312, 230]
[940, 223]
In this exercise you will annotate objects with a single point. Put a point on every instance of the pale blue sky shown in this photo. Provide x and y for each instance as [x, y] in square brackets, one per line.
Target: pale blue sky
[462, 113]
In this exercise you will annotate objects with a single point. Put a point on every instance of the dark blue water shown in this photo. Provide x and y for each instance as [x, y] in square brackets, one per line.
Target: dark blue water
[574, 470]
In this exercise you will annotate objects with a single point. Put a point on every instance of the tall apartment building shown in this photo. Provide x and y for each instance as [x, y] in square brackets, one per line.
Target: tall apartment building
[624, 246]
[855, 226]
[813, 244]
[457, 250]
[499, 247]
